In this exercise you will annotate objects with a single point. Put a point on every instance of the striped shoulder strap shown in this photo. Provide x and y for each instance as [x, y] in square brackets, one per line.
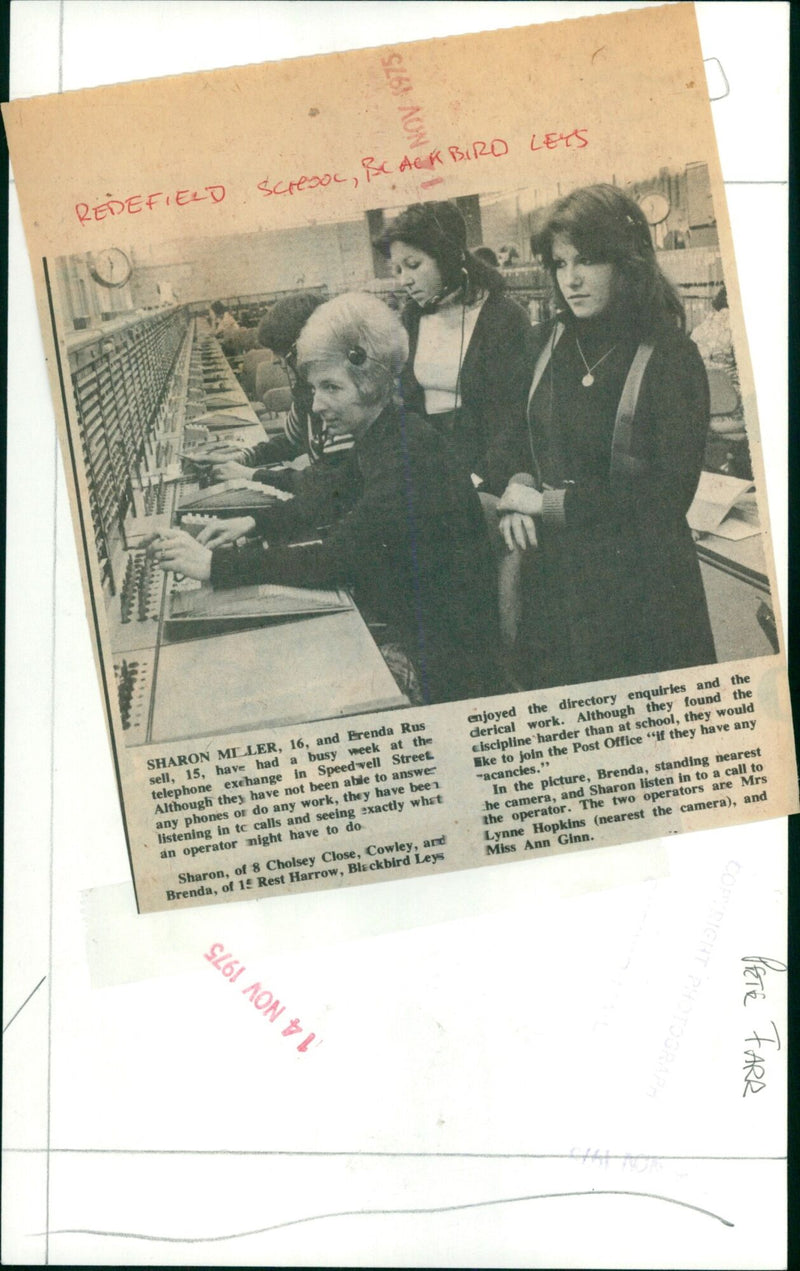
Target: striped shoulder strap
[538, 371]
[544, 359]
[623, 463]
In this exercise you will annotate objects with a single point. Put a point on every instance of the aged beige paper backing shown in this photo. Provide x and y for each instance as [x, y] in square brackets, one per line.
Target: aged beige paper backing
[283, 758]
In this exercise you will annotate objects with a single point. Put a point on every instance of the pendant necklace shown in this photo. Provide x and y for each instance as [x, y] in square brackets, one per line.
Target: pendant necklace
[588, 378]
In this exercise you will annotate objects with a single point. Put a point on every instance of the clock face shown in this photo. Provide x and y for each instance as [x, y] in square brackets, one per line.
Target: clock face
[655, 207]
[111, 267]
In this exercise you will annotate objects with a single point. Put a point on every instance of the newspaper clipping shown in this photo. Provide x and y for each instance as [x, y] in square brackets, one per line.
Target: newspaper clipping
[413, 456]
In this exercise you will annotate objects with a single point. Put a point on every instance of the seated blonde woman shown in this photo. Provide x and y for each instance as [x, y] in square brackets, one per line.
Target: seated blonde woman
[403, 526]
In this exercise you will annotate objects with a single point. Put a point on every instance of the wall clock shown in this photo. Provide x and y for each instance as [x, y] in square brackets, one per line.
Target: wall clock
[655, 207]
[111, 267]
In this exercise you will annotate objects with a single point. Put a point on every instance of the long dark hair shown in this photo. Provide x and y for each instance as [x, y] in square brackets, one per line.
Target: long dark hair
[607, 226]
[439, 230]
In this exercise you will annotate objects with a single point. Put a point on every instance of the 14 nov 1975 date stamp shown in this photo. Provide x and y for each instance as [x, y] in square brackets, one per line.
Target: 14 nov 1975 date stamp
[261, 998]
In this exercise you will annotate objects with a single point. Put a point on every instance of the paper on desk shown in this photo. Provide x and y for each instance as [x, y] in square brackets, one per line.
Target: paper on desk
[230, 417]
[267, 599]
[715, 498]
[447, 1038]
[736, 527]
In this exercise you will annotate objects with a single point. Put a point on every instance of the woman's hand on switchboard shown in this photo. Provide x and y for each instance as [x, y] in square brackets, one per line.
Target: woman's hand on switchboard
[179, 552]
[220, 532]
[231, 471]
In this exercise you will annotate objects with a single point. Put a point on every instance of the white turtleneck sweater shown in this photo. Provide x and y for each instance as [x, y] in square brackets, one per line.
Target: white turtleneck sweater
[443, 341]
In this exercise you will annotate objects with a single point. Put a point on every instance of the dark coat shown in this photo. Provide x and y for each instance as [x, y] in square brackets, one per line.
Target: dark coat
[407, 534]
[493, 385]
[615, 587]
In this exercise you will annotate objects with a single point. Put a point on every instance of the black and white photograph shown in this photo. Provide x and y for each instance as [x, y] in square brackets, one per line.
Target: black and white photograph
[443, 451]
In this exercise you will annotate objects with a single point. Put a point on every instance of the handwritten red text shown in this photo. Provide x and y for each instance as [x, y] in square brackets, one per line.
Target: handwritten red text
[135, 203]
[552, 140]
[303, 184]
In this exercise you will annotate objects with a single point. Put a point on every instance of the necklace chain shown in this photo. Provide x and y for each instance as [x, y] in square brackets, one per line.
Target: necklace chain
[588, 378]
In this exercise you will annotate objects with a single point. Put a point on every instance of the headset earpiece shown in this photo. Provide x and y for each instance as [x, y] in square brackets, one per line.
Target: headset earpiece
[358, 356]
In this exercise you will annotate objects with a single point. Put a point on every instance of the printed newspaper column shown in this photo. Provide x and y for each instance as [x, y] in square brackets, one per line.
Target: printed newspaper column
[300, 808]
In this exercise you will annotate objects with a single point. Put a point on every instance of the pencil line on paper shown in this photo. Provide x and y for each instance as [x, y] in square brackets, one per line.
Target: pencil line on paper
[25, 1003]
[61, 47]
[52, 770]
[359, 1213]
[52, 784]
[50, 880]
[478, 1156]
[49, 1069]
[719, 96]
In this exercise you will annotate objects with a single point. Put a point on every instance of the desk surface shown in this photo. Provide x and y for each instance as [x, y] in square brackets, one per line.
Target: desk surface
[743, 557]
[285, 673]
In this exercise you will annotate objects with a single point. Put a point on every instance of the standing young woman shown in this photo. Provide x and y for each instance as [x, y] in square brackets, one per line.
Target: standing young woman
[408, 534]
[617, 423]
[468, 368]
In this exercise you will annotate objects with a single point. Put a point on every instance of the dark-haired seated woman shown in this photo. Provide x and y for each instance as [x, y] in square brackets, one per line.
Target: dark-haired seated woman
[618, 414]
[406, 530]
[223, 323]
